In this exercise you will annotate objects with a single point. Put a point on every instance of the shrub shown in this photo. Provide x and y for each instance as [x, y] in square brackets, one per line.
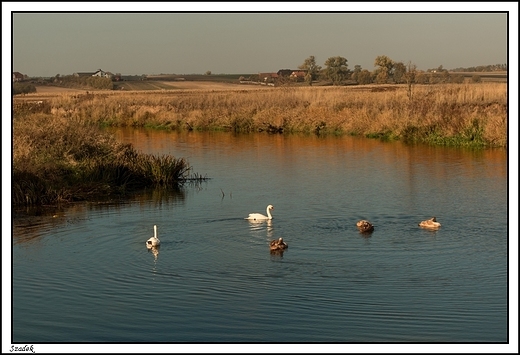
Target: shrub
[23, 88]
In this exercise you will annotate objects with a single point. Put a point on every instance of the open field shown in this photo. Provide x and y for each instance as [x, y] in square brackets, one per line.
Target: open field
[178, 85]
[45, 92]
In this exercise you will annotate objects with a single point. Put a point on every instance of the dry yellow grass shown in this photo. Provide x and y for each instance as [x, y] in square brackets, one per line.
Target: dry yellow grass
[454, 114]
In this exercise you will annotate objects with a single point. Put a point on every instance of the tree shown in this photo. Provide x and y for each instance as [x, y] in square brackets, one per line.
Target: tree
[355, 73]
[410, 77]
[445, 76]
[384, 72]
[364, 77]
[336, 69]
[208, 72]
[312, 69]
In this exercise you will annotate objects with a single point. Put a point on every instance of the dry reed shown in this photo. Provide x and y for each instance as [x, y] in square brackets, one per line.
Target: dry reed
[62, 159]
[450, 114]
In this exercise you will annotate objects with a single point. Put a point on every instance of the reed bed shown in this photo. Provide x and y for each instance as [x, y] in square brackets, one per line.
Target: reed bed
[451, 114]
[58, 159]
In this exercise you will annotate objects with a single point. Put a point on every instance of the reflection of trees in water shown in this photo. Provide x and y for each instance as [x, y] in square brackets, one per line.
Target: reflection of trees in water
[162, 195]
[30, 223]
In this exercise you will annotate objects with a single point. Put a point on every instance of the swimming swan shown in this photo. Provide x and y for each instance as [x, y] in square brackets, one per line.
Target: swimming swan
[430, 223]
[365, 226]
[153, 241]
[277, 245]
[261, 217]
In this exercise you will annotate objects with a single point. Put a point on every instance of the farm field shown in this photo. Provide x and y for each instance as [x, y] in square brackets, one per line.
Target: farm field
[47, 91]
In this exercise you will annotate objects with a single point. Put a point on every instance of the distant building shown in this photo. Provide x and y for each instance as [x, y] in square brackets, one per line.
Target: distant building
[17, 76]
[267, 77]
[99, 72]
[84, 74]
[298, 75]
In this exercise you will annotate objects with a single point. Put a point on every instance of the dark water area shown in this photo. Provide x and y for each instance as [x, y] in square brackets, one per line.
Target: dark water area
[84, 274]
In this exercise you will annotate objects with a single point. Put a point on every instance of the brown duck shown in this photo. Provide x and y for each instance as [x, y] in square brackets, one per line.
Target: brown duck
[365, 226]
[278, 244]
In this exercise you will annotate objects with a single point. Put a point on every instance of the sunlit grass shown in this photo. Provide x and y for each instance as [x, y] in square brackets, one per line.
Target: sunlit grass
[449, 110]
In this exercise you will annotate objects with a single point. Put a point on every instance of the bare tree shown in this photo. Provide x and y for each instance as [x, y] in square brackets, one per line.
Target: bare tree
[409, 77]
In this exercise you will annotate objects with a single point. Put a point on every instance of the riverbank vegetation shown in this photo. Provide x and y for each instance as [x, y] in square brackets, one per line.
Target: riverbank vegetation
[58, 159]
[60, 154]
[471, 114]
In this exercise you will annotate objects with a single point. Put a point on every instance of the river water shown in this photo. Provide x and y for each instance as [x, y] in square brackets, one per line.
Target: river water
[83, 273]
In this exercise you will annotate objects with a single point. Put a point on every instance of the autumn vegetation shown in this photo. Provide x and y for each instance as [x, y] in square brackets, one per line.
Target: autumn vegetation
[473, 115]
[60, 154]
[59, 159]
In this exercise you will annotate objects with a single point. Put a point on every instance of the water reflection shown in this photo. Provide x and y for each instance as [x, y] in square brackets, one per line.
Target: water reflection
[410, 162]
[441, 286]
[366, 234]
[30, 223]
[276, 254]
[154, 250]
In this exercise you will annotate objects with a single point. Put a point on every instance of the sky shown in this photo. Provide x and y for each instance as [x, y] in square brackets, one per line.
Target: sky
[179, 39]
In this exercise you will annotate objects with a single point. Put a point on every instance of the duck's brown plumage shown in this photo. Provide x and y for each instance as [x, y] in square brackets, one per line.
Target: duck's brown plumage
[365, 226]
[278, 244]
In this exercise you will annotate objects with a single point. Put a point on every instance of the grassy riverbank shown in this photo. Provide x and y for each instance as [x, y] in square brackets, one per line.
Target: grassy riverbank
[60, 154]
[472, 114]
[57, 159]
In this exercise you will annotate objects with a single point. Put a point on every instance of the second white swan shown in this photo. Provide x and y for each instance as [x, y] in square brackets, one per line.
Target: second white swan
[153, 241]
[261, 217]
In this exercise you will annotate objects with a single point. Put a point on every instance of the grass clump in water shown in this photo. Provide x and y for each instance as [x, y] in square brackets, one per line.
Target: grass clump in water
[58, 159]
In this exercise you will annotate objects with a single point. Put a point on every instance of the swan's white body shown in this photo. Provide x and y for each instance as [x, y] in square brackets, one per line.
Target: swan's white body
[261, 217]
[430, 223]
[153, 241]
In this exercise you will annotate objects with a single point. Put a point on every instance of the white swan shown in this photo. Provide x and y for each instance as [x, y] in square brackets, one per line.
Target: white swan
[153, 241]
[261, 217]
[430, 223]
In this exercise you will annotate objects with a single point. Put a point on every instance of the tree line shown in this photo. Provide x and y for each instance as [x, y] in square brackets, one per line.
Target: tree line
[336, 70]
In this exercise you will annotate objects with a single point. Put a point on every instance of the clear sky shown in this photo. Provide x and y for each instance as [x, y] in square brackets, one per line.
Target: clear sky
[256, 39]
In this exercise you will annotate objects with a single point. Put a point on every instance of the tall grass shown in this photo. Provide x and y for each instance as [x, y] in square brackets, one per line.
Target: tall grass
[59, 159]
[450, 114]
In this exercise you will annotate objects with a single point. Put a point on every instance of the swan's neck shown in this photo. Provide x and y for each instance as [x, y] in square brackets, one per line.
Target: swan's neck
[155, 231]
[269, 213]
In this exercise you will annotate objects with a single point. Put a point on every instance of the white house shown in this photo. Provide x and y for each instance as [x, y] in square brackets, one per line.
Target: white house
[99, 72]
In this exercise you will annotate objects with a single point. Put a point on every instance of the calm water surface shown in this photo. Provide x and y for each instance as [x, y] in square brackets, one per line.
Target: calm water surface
[83, 274]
